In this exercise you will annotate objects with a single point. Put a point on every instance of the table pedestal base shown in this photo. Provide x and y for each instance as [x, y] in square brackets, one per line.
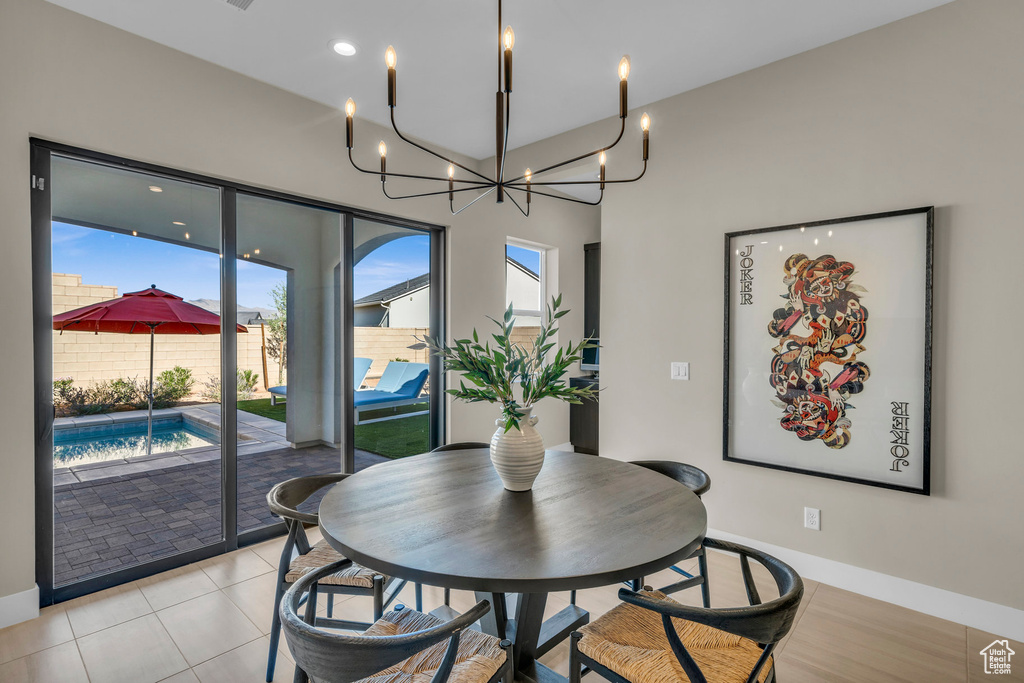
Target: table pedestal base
[532, 637]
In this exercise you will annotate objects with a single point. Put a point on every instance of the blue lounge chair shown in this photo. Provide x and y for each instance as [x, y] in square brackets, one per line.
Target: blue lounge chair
[362, 366]
[400, 385]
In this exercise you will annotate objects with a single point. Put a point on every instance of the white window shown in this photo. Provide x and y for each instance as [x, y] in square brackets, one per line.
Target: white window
[525, 278]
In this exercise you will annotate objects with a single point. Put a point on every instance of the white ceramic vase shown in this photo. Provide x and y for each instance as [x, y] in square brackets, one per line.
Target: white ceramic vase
[518, 454]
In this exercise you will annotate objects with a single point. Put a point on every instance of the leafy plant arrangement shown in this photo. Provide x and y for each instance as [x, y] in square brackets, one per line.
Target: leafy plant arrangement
[495, 371]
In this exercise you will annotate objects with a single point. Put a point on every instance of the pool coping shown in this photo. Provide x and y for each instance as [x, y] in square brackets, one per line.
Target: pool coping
[255, 435]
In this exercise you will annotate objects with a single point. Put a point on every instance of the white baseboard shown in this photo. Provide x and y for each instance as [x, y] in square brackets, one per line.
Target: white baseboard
[19, 607]
[981, 614]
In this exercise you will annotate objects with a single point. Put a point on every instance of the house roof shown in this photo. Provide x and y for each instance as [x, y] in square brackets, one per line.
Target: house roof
[393, 292]
[246, 316]
[524, 268]
[415, 284]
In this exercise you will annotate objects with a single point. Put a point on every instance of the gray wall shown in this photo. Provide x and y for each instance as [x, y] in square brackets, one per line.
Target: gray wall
[925, 111]
[70, 79]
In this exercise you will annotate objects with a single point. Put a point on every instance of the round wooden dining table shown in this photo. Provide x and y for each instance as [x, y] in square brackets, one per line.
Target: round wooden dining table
[444, 519]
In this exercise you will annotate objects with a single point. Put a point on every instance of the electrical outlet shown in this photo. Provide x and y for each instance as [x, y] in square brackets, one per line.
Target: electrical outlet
[680, 371]
[812, 518]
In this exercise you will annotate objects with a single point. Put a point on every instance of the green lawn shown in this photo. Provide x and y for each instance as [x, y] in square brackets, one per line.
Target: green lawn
[392, 439]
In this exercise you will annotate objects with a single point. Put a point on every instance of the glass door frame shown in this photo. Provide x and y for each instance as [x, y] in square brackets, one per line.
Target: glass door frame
[40, 154]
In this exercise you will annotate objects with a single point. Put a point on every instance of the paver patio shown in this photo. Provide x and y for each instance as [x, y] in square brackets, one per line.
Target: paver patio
[112, 522]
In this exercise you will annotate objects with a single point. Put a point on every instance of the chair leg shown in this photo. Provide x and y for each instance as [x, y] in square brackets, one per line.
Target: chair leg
[310, 618]
[574, 659]
[275, 634]
[419, 597]
[705, 588]
[330, 605]
[510, 667]
[378, 597]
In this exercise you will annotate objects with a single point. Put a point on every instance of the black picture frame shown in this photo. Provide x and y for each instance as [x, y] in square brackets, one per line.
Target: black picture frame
[735, 288]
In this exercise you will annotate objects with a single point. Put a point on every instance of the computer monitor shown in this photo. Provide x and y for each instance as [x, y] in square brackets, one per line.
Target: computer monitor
[591, 357]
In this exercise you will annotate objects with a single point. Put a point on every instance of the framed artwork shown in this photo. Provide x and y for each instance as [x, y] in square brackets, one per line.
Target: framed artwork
[828, 348]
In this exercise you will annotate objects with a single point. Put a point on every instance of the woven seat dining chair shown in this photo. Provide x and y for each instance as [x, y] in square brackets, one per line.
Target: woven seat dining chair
[639, 642]
[402, 646]
[698, 481]
[299, 558]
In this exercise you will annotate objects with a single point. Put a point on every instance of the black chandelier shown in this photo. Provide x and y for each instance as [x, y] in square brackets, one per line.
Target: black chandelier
[499, 184]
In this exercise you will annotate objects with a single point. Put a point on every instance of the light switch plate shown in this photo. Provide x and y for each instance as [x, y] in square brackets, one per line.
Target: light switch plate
[680, 371]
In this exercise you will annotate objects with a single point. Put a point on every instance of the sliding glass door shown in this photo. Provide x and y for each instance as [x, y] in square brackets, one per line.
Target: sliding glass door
[395, 306]
[197, 342]
[288, 368]
[135, 284]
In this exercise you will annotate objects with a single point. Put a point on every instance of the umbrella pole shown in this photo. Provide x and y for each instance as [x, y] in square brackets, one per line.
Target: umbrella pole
[149, 440]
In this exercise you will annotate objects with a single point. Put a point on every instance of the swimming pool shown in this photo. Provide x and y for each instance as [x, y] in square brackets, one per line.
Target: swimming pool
[83, 446]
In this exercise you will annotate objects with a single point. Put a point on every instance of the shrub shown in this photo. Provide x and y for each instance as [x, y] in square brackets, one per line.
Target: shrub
[247, 381]
[72, 400]
[169, 387]
[128, 392]
[173, 385]
[245, 385]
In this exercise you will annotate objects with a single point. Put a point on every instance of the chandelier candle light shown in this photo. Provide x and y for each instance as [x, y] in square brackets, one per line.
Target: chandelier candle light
[498, 184]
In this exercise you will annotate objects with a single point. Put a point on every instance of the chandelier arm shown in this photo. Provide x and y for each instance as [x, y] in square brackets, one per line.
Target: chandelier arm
[504, 148]
[451, 204]
[525, 213]
[430, 151]
[520, 186]
[431, 194]
[557, 196]
[478, 184]
[622, 130]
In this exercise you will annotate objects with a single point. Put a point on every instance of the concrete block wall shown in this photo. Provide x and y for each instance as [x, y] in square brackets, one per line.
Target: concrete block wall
[88, 357]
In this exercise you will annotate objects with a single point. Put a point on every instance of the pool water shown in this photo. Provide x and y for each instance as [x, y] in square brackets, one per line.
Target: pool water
[72, 448]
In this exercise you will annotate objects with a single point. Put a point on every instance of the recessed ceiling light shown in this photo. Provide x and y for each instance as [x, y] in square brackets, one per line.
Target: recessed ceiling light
[343, 48]
[178, 223]
[155, 188]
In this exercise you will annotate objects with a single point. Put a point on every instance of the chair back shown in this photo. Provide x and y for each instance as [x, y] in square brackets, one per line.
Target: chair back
[359, 370]
[460, 446]
[404, 379]
[332, 657]
[689, 476]
[764, 623]
[284, 500]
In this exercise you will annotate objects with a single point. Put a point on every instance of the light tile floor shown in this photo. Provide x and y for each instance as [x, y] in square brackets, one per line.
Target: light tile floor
[209, 623]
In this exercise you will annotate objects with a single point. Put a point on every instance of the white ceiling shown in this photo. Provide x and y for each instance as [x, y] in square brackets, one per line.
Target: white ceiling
[566, 51]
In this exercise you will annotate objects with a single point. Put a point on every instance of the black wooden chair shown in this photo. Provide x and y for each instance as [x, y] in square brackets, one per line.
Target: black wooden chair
[299, 558]
[402, 645]
[457, 446]
[699, 482]
[638, 641]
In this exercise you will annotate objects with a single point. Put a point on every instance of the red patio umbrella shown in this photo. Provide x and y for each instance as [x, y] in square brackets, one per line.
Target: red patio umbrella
[151, 311]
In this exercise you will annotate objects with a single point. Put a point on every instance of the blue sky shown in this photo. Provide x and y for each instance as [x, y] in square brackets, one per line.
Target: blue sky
[528, 257]
[130, 264]
[394, 262]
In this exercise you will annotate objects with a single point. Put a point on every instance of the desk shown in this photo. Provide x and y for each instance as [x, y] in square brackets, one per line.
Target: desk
[444, 519]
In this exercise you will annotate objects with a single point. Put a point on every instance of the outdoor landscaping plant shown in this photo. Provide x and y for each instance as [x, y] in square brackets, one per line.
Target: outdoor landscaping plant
[170, 387]
[245, 380]
[511, 374]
